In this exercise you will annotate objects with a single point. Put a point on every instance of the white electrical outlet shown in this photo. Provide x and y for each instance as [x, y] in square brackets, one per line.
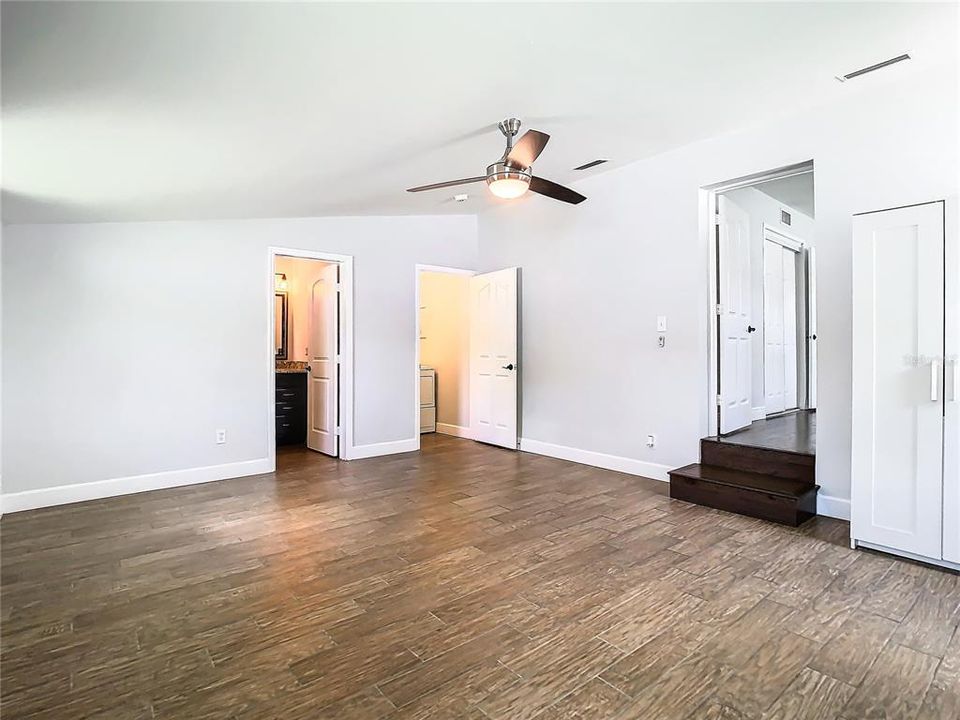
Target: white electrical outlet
[221, 437]
[661, 341]
[651, 441]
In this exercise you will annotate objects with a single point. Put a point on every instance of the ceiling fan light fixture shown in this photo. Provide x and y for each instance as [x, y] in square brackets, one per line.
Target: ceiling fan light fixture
[507, 182]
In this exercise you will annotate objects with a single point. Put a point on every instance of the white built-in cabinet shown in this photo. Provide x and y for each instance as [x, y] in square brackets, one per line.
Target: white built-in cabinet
[905, 494]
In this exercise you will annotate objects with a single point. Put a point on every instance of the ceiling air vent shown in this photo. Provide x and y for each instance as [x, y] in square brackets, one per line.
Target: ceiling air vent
[871, 68]
[592, 163]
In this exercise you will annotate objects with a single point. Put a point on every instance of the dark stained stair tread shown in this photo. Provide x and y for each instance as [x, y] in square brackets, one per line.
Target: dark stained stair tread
[782, 500]
[765, 461]
[784, 487]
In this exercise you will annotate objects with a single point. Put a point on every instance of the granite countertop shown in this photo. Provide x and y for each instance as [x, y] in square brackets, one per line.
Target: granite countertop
[291, 366]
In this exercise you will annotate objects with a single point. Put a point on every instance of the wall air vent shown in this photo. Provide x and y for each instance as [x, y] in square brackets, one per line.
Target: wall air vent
[871, 68]
[592, 163]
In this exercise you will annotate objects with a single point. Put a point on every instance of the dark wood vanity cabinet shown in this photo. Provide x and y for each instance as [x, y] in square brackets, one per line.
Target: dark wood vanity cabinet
[291, 408]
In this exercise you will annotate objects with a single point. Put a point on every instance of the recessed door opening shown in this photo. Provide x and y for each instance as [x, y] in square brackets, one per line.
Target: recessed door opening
[467, 354]
[311, 347]
[763, 346]
[443, 351]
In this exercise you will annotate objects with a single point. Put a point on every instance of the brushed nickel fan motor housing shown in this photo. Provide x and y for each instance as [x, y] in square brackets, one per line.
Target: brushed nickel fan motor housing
[501, 171]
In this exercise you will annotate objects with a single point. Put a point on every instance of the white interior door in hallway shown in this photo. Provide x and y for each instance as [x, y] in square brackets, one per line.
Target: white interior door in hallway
[494, 357]
[780, 323]
[323, 361]
[733, 253]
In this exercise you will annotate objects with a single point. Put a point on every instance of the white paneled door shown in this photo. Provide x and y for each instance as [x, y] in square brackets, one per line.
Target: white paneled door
[733, 252]
[898, 353]
[780, 320]
[494, 357]
[322, 381]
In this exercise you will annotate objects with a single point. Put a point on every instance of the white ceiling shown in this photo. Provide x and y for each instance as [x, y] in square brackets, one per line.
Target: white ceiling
[795, 191]
[121, 111]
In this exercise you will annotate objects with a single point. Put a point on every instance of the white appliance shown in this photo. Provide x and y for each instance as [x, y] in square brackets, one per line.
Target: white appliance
[905, 495]
[428, 400]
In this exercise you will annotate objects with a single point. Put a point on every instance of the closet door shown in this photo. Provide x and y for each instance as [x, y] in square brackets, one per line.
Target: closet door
[773, 329]
[898, 323]
[789, 260]
[951, 417]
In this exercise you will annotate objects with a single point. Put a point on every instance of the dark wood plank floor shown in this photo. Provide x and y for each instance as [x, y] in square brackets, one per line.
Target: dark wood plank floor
[462, 582]
[794, 432]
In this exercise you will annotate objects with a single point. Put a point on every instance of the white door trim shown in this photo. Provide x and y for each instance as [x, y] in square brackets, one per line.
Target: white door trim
[708, 212]
[347, 448]
[418, 269]
[781, 237]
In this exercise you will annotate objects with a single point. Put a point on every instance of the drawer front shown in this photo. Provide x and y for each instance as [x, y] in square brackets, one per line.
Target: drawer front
[291, 411]
[427, 390]
[291, 430]
[291, 390]
[428, 419]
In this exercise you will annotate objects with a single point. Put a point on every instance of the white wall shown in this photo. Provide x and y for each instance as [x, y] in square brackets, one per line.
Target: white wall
[127, 345]
[595, 276]
[764, 209]
[445, 344]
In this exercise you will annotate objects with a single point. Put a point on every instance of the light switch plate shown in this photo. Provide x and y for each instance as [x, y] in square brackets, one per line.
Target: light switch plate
[661, 323]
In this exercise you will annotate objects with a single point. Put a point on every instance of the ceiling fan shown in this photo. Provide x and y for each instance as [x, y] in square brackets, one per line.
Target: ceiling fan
[511, 176]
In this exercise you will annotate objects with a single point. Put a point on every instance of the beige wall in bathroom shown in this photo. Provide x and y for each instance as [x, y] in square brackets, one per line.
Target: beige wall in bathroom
[444, 345]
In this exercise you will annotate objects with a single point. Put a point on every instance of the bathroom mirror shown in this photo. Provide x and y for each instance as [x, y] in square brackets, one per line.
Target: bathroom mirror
[280, 324]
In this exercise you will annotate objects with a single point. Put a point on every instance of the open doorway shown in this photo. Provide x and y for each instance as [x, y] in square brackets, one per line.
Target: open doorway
[443, 351]
[312, 352]
[763, 344]
[468, 354]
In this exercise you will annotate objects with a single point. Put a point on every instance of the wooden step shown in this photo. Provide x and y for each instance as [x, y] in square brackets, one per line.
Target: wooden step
[783, 500]
[723, 452]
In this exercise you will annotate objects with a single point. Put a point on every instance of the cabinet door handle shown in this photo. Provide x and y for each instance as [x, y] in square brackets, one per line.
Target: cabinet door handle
[934, 381]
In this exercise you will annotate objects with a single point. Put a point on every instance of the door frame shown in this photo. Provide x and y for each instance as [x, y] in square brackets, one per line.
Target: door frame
[345, 328]
[418, 269]
[708, 210]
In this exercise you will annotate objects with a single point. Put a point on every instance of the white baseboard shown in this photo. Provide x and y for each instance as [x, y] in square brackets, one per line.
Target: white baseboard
[359, 452]
[758, 413]
[596, 459]
[64, 494]
[460, 431]
[833, 507]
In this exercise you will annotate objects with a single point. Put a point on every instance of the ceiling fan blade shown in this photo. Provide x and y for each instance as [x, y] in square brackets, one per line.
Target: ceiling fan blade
[448, 183]
[527, 149]
[557, 192]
